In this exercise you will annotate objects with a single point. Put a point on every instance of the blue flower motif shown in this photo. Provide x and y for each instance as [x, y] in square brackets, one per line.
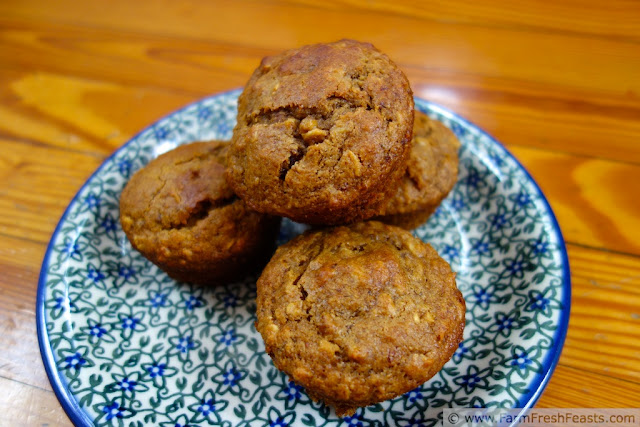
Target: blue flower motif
[97, 330]
[229, 337]
[504, 323]
[94, 274]
[457, 203]
[206, 407]
[480, 247]
[185, 344]
[230, 300]
[521, 360]
[158, 299]
[276, 419]
[156, 369]
[483, 297]
[353, 421]
[108, 223]
[473, 178]
[537, 301]
[457, 128]
[180, 421]
[523, 199]
[92, 201]
[292, 391]
[231, 377]
[71, 248]
[124, 167]
[462, 349]
[129, 322]
[63, 304]
[74, 361]
[193, 302]
[161, 132]
[415, 395]
[472, 379]
[278, 422]
[450, 252]
[514, 267]
[223, 127]
[499, 221]
[496, 159]
[114, 410]
[126, 384]
[204, 113]
[126, 272]
[540, 247]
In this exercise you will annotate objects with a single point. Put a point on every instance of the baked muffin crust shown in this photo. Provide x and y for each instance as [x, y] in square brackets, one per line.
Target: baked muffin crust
[323, 131]
[431, 173]
[359, 314]
[179, 212]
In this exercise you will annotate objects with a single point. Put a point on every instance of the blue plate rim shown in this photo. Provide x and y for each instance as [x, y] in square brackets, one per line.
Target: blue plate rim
[529, 400]
[80, 417]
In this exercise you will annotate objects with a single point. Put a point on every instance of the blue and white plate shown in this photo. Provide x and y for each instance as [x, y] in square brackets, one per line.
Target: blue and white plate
[125, 345]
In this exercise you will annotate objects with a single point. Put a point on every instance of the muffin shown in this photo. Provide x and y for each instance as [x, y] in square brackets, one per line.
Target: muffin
[431, 173]
[179, 212]
[359, 314]
[323, 133]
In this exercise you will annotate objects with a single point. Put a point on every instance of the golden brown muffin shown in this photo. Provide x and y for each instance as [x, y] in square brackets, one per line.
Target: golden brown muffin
[323, 133]
[179, 212]
[431, 173]
[359, 314]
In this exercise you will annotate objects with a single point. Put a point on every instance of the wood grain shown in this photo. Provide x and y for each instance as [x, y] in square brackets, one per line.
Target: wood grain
[589, 197]
[22, 405]
[604, 327]
[608, 20]
[574, 388]
[539, 114]
[611, 65]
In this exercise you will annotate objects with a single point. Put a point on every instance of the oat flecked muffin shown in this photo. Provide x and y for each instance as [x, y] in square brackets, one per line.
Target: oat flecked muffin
[323, 133]
[179, 212]
[432, 171]
[359, 314]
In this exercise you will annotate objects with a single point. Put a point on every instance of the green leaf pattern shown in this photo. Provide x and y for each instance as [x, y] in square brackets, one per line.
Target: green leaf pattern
[136, 348]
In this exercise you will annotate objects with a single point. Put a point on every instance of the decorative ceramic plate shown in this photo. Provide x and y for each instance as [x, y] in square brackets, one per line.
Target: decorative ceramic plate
[125, 345]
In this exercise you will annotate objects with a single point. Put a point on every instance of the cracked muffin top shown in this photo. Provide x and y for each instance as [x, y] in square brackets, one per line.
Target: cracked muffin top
[431, 173]
[179, 212]
[323, 133]
[359, 314]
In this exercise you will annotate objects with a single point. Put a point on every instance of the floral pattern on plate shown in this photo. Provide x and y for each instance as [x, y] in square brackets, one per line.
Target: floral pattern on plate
[123, 344]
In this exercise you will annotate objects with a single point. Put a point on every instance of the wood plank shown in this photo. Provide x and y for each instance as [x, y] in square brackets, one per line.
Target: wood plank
[590, 197]
[533, 114]
[58, 103]
[78, 113]
[611, 19]
[22, 405]
[37, 185]
[581, 62]
[20, 358]
[574, 388]
[604, 327]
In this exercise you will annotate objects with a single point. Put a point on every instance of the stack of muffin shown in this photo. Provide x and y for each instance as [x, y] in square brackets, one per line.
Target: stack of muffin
[357, 311]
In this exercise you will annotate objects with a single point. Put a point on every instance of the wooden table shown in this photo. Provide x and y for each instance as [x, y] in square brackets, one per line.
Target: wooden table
[557, 82]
